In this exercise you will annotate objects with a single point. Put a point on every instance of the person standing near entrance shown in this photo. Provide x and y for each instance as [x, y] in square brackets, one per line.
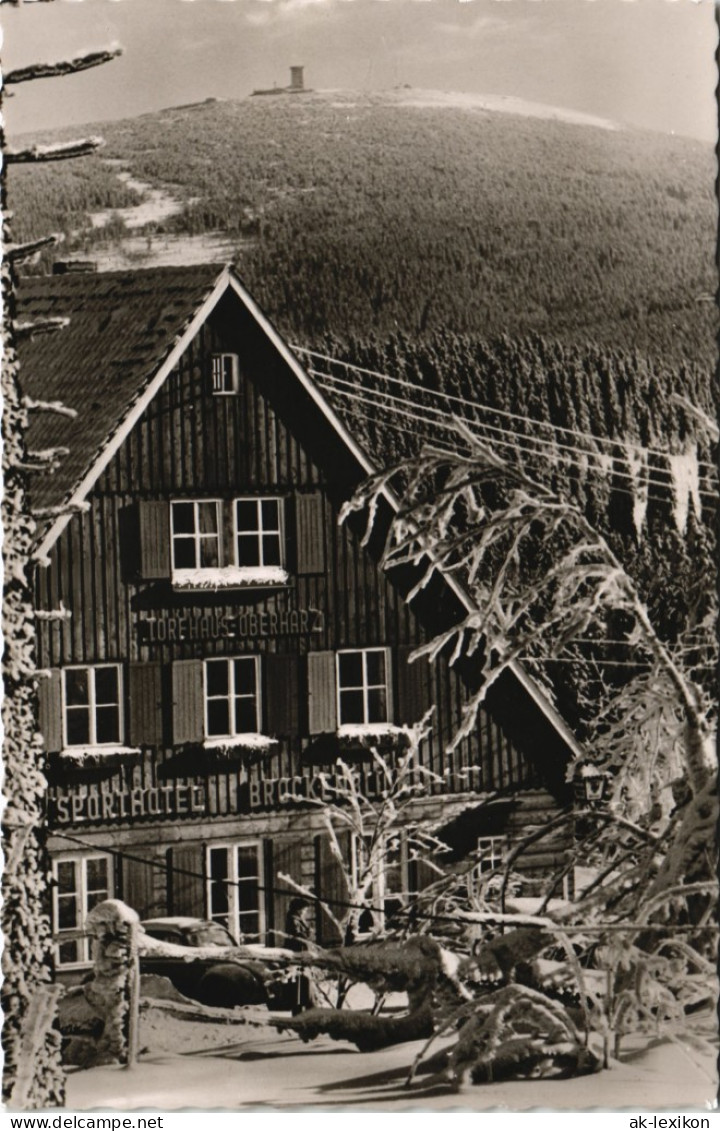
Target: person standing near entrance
[298, 936]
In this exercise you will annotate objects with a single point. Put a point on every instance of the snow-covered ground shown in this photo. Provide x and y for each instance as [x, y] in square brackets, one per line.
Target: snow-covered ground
[211, 1066]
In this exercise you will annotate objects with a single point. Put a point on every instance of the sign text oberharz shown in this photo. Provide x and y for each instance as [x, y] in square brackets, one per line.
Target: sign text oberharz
[246, 623]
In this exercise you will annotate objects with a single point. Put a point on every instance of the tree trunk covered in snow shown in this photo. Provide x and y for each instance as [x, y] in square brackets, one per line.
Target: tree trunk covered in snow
[27, 956]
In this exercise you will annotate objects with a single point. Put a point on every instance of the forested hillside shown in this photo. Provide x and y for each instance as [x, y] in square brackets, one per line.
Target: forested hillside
[366, 214]
[550, 283]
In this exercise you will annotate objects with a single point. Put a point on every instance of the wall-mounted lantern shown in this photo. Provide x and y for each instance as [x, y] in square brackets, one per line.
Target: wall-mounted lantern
[592, 785]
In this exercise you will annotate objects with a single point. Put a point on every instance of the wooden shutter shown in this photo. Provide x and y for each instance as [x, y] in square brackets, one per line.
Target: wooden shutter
[154, 522]
[137, 884]
[50, 711]
[331, 885]
[145, 696]
[310, 533]
[413, 687]
[420, 876]
[188, 701]
[186, 880]
[281, 694]
[283, 856]
[322, 692]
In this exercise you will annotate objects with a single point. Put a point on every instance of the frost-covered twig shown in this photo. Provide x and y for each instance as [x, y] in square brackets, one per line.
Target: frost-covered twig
[33, 405]
[63, 67]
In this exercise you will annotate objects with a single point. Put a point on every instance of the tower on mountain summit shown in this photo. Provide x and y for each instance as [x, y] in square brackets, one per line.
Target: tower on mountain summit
[297, 84]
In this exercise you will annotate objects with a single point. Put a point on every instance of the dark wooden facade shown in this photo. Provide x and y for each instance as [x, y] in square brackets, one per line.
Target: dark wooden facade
[154, 805]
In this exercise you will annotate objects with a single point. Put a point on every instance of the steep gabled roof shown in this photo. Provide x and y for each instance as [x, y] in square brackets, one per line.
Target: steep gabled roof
[122, 326]
[126, 331]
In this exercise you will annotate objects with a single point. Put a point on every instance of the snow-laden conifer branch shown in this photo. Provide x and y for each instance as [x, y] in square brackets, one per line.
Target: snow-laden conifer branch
[17, 252]
[33, 405]
[63, 67]
[45, 459]
[59, 614]
[81, 507]
[58, 152]
[40, 326]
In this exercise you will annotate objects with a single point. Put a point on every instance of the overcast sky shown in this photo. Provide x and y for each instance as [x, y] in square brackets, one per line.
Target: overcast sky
[647, 63]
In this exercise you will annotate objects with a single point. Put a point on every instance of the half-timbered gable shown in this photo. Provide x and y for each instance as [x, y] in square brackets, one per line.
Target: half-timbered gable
[226, 639]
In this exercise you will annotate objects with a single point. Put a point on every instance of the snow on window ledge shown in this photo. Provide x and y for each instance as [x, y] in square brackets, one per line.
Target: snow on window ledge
[229, 577]
[370, 731]
[260, 743]
[84, 755]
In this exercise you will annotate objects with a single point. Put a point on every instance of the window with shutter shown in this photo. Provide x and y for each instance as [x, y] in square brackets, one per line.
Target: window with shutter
[196, 535]
[310, 533]
[146, 706]
[81, 880]
[188, 701]
[259, 534]
[363, 687]
[154, 521]
[93, 713]
[322, 692]
[232, 697]
[50, 711]
[235, 888]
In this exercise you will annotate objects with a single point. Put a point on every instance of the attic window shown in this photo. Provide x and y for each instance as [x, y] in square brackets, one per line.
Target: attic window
[225, 374]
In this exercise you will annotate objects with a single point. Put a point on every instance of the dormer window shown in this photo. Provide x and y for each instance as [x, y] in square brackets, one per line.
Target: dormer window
[225, 374]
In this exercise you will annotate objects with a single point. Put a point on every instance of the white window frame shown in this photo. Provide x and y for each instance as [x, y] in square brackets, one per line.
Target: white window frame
[196, 535]
[260, 530]
[231, 696]
[491, 853]
[365, 687]
[218, 374]
[379, 892]
[234, 912]
[72, 934]
[91, 669]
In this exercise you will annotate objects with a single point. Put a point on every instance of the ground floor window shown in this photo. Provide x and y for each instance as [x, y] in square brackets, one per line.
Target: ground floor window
[79, 883]
[387, 882]
[490, 854]
[235, 887]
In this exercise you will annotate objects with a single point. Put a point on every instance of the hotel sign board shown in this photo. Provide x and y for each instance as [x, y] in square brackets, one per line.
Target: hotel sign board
[243, 624]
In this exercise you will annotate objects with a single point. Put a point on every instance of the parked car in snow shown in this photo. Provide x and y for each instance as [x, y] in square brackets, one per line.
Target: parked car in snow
[210, 979]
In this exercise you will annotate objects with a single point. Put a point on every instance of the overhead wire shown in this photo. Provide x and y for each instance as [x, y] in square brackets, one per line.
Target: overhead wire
[335, 902]
[554, 454]
[478, 407]
[557, 451]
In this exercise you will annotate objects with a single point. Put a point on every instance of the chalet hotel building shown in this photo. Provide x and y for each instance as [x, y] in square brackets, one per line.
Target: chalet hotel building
[222, 638]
